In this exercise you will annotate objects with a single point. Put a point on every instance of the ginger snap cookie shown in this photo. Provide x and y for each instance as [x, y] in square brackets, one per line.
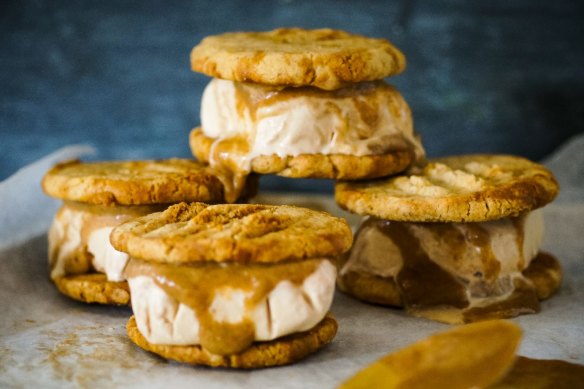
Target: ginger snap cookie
[94, 288]
[470, 188]
[323, 58]
[302, 104]
[277, 352]
[224, 277]
[134, 182]
[456, 240]
[100, 195]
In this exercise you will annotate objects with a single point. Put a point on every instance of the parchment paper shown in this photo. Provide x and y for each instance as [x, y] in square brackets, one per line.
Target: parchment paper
[47, 340]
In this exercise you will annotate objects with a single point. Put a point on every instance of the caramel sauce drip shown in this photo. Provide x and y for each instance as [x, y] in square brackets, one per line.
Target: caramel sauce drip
[251, 97]
[366, 96]
[430, 290]
[227, 158]
[519, 224]
[522, 300]
[478, 237]
[94, 217]
[530, 373]
[197, 285]
[230, 156]
[422, 282]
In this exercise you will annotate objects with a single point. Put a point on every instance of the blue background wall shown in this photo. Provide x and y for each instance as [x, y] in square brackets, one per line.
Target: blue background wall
[488, 76]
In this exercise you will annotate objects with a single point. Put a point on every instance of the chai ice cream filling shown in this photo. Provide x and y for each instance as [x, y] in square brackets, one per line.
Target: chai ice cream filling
[250, 120]
[224, 308]
[446, 271]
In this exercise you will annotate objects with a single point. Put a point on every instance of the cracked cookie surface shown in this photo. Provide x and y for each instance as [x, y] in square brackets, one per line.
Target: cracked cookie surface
[324, 58]
[233, 232]
[134, 182]
[470, 188]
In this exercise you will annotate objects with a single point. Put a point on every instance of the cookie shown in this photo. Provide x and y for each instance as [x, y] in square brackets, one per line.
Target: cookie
[471, 188]
[544, 272]
[233, 232]
[323, 58]
[277, 352]
[134, 182]
[100, 195]
[94, 288]
[335, 166]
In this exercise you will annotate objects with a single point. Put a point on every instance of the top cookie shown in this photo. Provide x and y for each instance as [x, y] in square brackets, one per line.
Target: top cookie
[324, 58]
[471, 188]
[133, 182]
[233, 232]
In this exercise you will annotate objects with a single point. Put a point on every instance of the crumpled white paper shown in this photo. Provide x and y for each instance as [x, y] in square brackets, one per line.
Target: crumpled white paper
[25, 211]
[47, 340]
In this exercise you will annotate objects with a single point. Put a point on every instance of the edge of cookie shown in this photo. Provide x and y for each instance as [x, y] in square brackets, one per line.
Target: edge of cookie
[333, 166]
[524, 194]
[277, 352]
[94, 288]
[201, 185]
[325, 70]
[332, 238]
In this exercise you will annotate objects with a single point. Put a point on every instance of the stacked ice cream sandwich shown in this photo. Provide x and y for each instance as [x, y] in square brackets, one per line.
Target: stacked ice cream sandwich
[250, 286]
[302, 104]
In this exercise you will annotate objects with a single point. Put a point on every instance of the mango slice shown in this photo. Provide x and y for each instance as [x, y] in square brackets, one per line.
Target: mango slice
[469, 356]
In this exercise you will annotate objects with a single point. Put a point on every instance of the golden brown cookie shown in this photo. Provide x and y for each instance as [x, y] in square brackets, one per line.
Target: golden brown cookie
[233, 232]
[544, 272]
[335, 166]
[94, 288]
[471, 188]
[281, 351]
[134, 182]
[324, 58]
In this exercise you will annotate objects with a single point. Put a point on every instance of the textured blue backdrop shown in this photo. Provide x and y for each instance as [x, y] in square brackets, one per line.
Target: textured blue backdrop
[498, 76]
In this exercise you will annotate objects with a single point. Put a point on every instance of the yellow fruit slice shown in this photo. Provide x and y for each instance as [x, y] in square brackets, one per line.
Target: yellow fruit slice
[470, 356]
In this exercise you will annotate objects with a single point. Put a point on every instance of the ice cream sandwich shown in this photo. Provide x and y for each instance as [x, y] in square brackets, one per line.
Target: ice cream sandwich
[456, 240]
[303, 104]
[98, 196]
[241, 286]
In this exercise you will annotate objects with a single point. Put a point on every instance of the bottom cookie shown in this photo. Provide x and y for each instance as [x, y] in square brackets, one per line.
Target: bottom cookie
[333, 166]
[544, 272]
[281, 351]
[94, 288]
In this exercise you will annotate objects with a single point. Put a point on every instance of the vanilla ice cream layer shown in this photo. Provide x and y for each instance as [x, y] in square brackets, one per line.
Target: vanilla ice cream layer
[485, 258]
[288, 307]
[366, 119]
[79, 240]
